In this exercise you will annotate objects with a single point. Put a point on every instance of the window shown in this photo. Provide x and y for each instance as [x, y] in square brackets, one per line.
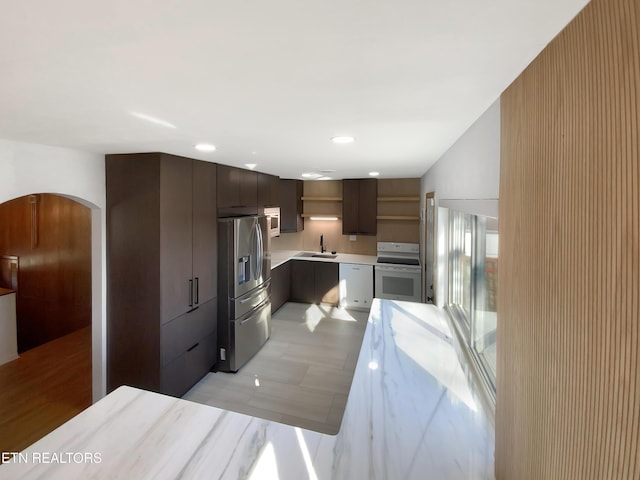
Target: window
[473, 284]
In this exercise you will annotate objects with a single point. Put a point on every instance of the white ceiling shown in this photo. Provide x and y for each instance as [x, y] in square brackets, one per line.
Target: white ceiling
[266, 81]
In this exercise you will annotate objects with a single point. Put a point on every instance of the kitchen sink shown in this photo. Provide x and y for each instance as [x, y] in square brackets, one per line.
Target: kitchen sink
[316, 255]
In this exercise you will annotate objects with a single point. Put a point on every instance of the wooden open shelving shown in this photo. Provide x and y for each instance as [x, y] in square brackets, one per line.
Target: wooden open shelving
[322, 199]
[399, 199]
[412, 218]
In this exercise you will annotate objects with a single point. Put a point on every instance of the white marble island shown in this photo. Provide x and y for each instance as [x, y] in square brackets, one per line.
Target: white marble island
[411, 414]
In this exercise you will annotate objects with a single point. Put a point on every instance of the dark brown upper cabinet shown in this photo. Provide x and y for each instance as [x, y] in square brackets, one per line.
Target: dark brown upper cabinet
[360, 206]
[268, 186]
[162, 271]
[237, 191]
[291, 219]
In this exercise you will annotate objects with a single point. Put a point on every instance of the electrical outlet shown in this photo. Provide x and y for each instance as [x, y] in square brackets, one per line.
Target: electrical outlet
[352, 238]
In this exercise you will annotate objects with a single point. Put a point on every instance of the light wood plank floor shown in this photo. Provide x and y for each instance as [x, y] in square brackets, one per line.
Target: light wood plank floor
[301, 376]
[44, 388]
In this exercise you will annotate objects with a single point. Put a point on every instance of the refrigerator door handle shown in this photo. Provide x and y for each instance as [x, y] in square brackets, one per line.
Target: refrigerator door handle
[260, 249]
[254, 243]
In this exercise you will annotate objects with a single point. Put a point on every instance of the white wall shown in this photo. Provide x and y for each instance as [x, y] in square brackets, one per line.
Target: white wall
[465, 178]
[27, 168]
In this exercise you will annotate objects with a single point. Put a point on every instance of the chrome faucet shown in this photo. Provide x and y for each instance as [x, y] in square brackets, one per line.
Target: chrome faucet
[322, 249]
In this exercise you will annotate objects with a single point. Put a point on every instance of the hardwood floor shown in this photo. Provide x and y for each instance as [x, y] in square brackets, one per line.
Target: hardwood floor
[301, 376]
[44, 388]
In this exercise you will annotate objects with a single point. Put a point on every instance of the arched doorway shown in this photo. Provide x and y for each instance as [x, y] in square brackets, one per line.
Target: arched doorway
[46, 255]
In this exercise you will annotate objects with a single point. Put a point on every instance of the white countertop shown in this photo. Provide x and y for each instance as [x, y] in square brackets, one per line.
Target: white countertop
[411, 413]
[278, 257]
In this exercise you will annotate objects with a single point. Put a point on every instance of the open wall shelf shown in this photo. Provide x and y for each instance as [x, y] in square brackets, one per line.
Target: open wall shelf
[399, 199]
[411, 218]
[322, 199]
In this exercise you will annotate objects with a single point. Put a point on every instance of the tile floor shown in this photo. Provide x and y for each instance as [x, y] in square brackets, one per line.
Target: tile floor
[301, 376]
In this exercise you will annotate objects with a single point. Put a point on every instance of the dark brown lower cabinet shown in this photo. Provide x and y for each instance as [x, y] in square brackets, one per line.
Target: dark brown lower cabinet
[327, 276]
[188, 346]
[314, 282]
[179, 375]
[303, 283]
[280, 286]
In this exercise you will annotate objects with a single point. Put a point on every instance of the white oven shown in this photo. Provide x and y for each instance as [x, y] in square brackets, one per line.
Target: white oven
[398, 283]
[398, 275]
[273, 221]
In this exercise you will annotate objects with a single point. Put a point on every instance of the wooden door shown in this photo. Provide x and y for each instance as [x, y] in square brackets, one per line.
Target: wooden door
[228, 186]
[248, 188]
[327, 279]
[290, 201]
[205, 228]
[368, 206]
[350, 200]
[280, 285]
[268, 194]
[176, 227]
[303, 281]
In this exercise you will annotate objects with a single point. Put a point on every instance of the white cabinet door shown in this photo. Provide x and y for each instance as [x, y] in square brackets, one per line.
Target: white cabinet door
[356, 286]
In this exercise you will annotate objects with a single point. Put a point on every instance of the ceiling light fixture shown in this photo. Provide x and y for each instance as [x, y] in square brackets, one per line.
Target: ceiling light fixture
[343, 139]
[251, 166]
[374, 174]
[323, 218]
[311, 175]
[205, 147]
[151, 119]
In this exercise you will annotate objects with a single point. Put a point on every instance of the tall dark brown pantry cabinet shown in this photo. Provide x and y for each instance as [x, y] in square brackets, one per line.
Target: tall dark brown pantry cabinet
[161, 271]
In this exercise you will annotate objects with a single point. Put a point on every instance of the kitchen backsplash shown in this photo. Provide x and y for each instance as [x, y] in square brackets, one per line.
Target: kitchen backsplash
[309, 239]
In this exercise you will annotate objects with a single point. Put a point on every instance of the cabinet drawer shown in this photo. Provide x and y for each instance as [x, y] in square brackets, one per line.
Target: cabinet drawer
[178, 376]
[186, 330]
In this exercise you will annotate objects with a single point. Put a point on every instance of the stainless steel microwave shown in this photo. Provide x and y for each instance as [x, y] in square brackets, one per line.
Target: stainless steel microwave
[273, 221]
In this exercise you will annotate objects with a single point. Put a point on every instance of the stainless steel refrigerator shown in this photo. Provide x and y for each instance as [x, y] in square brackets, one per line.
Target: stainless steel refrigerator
[244, 289]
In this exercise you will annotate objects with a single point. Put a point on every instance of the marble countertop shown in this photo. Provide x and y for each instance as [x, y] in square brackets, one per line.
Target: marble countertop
[278, 257]
[411, 413]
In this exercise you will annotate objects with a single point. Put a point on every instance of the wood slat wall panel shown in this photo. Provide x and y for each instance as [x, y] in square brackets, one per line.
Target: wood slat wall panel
[568, 396]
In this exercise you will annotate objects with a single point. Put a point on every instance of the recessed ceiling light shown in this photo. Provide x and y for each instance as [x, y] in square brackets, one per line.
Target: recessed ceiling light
[205, 147]
[311, 175]
[374, 174]
[251, 166]
[324, 178]
[342, 139]
[151, 119]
